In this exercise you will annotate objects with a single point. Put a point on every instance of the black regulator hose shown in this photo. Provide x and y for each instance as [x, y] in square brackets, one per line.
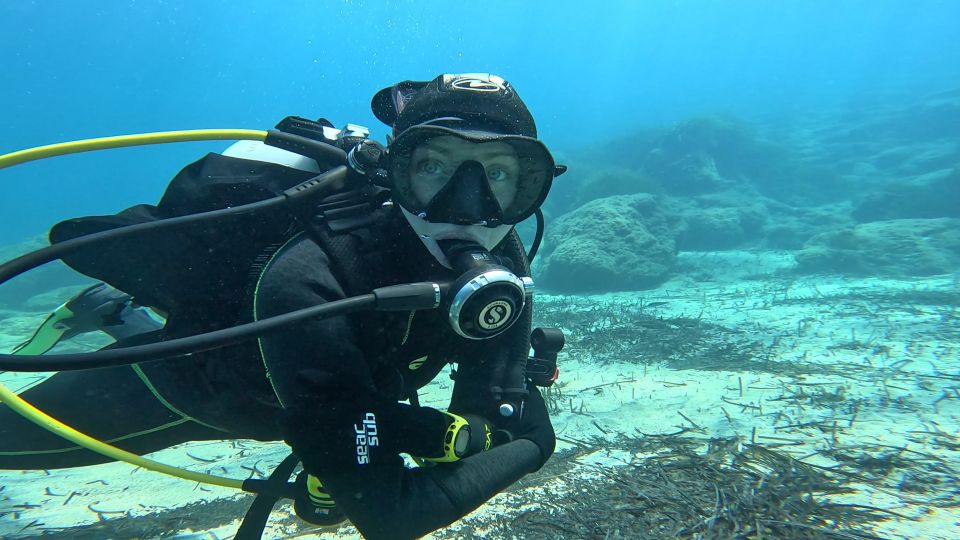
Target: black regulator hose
[409, 296]
[179, 346]
[405, 297]
[535, 247]
[317, 185]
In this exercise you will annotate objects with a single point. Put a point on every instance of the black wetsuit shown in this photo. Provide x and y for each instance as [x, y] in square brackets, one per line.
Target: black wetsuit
[227, 394]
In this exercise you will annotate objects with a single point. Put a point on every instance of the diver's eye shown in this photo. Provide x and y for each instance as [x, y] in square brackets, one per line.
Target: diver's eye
[430, 167]
[498, 174]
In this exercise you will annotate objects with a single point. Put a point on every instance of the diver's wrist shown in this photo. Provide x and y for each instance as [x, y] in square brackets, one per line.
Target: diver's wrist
[465, 435]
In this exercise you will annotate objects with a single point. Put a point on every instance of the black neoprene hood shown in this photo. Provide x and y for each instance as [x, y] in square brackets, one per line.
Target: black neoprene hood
[481, 101]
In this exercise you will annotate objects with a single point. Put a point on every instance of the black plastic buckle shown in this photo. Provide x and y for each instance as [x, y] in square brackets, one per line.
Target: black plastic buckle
[542, 368]
[542, 372]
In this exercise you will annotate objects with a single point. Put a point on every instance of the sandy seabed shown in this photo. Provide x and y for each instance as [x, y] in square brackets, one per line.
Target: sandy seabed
[851, 377]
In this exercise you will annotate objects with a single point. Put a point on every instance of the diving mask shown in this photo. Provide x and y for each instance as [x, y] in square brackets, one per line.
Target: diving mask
[468, 177]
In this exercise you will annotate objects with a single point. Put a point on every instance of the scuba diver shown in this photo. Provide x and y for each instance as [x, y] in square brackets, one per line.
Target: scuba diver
[439, 205]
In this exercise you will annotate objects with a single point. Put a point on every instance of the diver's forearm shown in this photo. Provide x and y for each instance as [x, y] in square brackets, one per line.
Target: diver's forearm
[415, 502]
[472, 481]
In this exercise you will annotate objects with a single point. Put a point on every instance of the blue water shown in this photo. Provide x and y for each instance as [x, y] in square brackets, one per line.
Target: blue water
[861, 162]
[76, 70]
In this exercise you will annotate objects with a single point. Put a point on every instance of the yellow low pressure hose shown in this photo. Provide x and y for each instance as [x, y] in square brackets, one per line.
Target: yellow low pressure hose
[46, 421]
[87, 145]
[53, 425]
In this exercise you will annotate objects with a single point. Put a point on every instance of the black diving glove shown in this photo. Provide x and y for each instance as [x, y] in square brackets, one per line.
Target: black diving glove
[535, 425]
[338, 426]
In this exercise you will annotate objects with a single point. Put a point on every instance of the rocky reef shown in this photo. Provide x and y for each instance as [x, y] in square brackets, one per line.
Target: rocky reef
[866, 191]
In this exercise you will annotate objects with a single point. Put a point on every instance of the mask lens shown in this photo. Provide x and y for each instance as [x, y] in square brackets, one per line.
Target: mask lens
[426, 160]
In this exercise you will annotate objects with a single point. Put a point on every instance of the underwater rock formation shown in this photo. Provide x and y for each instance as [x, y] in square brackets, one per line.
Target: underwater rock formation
[689, 174]
[734, 147]
[931, 117]
[607, 182]
[618, 243]
[721, 221]
[718, 173]
[896, 248]
[932, 195]
[880, 146]
[711, 154]
[590, 180]
[789, 227]
[894, 168]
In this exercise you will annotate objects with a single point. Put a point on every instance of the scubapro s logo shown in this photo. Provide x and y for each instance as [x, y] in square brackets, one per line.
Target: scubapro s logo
[495, 314]
[476, 84]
